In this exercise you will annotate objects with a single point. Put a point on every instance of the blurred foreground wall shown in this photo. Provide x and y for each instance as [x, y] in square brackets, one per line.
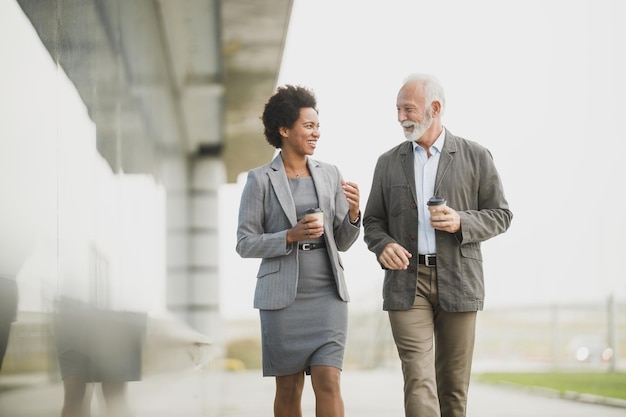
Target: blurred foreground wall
[121, 120]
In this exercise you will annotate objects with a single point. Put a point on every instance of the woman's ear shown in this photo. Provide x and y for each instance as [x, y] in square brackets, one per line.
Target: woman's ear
[284, 132]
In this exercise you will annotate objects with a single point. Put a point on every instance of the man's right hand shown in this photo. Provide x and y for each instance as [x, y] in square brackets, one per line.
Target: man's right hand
[395, 257]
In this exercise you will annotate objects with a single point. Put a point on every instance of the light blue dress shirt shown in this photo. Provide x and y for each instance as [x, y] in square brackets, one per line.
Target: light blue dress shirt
[425, 174]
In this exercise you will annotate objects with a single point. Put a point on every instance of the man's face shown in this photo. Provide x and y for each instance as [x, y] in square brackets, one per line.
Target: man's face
[414, 130]
[413, 115]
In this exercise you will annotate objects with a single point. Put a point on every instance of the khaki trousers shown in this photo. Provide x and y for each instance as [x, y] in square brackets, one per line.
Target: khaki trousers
[435, 348]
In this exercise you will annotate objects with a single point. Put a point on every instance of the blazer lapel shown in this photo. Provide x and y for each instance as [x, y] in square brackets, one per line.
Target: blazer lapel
[321, 184]
[278, 179]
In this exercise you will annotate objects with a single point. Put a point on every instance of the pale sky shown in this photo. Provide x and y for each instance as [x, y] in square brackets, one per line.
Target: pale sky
[539, 83]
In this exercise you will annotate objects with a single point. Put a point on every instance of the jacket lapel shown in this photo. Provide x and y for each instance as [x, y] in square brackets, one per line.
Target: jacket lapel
[445, 160]
[321, 184]
[278, 179]
[408, 166]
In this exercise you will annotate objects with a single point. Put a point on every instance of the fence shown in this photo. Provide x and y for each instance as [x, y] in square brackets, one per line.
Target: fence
[556, 336]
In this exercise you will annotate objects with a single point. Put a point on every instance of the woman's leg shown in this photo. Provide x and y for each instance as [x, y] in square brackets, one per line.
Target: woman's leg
[115, 396]
[288, 401]
[77, 396]
[326, 382]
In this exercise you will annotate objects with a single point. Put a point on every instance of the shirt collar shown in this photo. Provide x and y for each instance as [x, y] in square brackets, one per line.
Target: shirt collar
[438, 145]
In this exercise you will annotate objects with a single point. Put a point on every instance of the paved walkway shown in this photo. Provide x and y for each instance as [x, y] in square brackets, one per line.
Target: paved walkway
[376, 393]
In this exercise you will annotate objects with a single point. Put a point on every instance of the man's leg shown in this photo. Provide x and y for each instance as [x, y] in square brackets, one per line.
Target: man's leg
[454, 348]
[413, 334]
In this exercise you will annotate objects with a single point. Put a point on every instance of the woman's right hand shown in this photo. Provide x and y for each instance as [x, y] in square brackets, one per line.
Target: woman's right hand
[306, 228]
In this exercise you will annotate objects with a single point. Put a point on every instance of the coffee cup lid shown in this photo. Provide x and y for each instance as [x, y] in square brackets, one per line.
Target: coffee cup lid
[435, 201]
[313, 210]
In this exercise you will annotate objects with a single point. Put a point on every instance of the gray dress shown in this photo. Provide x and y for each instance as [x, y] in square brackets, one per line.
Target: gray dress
[312, 330]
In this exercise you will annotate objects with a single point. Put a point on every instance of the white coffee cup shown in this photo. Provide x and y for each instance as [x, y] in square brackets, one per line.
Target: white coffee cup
[316, 213]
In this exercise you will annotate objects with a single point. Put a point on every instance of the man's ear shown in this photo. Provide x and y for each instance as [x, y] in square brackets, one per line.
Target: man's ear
[436, 106]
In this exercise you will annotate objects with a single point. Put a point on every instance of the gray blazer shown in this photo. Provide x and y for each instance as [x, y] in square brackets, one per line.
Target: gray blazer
[467, 178]
[267, 210]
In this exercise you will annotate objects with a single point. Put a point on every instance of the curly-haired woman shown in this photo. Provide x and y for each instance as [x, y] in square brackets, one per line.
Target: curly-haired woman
[300, 292]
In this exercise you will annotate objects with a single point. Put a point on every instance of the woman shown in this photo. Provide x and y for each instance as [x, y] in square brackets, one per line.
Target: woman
[300, 292]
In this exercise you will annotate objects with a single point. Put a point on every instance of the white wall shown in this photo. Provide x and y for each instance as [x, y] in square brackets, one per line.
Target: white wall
[68, 224]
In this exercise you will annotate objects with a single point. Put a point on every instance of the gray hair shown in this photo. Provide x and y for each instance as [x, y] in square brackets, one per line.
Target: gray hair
[433, 89]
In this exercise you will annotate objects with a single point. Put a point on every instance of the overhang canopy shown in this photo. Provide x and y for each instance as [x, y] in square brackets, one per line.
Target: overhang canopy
[163, 77]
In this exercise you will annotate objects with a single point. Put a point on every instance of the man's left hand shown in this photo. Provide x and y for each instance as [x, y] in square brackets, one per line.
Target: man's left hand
[447, 220]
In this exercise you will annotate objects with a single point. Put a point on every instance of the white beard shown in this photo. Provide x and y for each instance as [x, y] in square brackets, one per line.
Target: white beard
[418, 128]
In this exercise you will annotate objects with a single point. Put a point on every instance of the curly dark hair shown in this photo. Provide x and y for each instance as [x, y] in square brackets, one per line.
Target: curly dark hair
[283, 109]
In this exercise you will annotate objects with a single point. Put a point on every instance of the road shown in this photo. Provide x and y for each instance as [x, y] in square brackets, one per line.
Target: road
[373, 393]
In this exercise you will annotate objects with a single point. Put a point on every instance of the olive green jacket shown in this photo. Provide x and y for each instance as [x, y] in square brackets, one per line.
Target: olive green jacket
[468, 180]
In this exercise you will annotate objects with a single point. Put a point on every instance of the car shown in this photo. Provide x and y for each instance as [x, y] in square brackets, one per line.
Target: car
[590, 348]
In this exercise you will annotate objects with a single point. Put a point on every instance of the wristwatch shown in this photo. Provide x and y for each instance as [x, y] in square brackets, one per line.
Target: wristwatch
[357, 221]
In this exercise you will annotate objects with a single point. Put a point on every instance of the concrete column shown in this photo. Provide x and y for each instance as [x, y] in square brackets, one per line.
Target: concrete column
[193, 290]
[207, 175]
[175, 177]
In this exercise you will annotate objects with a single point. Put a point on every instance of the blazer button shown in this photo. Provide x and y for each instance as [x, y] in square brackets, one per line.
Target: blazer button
[413, 205]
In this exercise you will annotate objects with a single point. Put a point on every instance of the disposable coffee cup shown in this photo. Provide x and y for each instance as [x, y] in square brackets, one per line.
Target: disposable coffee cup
[317, 213]
[436, 204]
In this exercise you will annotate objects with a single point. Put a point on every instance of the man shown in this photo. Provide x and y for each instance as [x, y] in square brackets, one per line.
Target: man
[433, 285]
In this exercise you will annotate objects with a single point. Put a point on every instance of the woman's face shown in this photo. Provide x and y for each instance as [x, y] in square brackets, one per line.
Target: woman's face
[303, 135]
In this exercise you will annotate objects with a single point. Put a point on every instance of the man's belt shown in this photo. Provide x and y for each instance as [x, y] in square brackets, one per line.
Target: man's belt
[428, 260]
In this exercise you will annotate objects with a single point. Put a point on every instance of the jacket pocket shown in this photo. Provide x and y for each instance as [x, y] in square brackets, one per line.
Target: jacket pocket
[472, 251]
[268, 266]
[400, 199]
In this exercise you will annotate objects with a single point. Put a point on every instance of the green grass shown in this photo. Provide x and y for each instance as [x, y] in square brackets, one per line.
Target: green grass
[604, 384]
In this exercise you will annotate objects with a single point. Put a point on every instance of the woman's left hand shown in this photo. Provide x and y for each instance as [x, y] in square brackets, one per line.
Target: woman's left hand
[351, 191]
